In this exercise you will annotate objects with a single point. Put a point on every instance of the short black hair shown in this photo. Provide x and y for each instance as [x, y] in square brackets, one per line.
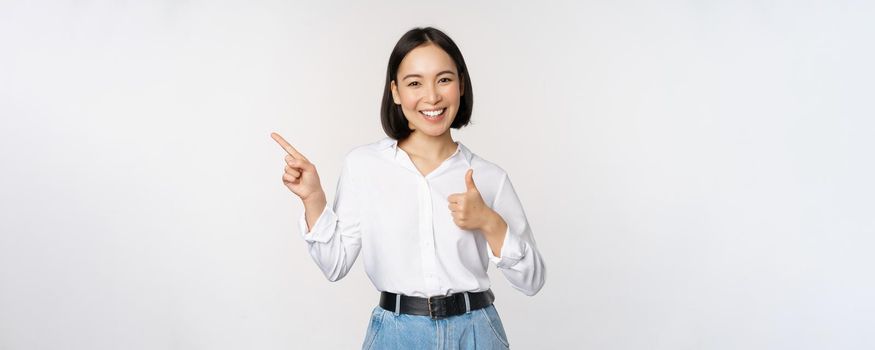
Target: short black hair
[391, 115]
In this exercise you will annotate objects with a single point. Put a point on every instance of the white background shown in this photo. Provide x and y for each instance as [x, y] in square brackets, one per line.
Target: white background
[698, 174]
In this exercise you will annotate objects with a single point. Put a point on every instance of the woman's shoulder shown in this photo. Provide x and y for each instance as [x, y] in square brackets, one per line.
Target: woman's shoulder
[482, 165]
[369, 150]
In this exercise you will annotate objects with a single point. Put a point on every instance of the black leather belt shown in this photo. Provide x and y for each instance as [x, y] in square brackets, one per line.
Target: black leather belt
[437, 307]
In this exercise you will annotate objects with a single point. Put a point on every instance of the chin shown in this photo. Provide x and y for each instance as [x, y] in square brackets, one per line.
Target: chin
[436, 133]
[432, 130]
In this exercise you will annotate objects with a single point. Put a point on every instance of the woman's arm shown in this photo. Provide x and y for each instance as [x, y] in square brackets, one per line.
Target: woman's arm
[519, 259]
[334, 236]
[313, 208]
[332, 233]
[506, 229]
[494, 230]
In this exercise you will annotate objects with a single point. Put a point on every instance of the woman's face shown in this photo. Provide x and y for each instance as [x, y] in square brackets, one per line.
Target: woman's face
[428, 89]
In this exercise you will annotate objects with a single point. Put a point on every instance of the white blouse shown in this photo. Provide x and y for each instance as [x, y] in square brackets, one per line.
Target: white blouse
[401, 223]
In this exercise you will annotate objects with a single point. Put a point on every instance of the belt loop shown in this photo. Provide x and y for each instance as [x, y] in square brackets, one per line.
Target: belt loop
[467, 303]
[397, 304]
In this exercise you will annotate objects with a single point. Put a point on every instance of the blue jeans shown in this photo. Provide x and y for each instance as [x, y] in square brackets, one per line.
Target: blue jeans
[478, 329]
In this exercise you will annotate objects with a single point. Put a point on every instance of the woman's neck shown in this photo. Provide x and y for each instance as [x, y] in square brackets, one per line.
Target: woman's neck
[432, 148]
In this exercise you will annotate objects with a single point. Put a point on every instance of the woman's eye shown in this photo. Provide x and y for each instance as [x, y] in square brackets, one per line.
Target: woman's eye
[413, 83]
[445, 80]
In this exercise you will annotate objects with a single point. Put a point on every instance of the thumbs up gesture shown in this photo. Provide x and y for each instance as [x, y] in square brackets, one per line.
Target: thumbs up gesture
[468, 209]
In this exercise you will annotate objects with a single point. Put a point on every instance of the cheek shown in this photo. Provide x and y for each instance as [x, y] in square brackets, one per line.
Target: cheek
[408, 106]
[452, 92]
[408, 100]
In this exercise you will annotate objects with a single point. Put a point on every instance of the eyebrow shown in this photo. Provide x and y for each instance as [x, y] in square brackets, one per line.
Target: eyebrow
[420, 76]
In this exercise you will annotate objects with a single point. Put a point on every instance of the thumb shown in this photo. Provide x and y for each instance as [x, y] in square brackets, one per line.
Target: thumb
[469, 180]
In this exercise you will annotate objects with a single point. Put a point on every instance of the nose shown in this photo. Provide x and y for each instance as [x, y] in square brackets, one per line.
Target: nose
[432, 95]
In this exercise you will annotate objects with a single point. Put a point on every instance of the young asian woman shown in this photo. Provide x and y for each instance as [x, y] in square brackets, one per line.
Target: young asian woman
[425, 212]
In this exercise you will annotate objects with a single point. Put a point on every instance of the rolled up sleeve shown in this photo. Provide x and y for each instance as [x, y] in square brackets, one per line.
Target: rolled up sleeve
[520, 261]
[334, 241]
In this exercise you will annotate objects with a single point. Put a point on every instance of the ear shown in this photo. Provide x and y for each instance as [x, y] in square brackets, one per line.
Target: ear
[394, 89]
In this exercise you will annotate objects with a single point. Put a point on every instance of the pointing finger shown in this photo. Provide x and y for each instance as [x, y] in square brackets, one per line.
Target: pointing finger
[286, 146]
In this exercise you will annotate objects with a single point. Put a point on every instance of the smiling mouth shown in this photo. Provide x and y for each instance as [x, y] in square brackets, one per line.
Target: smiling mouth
[433, 114]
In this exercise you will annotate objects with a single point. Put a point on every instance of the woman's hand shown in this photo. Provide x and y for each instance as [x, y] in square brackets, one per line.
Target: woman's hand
[468, 209]
[471, 213]
[300, 175]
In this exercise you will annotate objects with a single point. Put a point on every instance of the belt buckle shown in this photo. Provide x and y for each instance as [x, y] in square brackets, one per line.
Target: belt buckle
[431, 310]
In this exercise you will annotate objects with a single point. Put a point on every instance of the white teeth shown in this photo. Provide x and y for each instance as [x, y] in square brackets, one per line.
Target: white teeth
[433, 113]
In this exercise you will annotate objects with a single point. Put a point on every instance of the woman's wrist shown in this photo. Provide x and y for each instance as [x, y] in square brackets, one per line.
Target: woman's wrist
[494, 230]
[314, 204]
[314, 199]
